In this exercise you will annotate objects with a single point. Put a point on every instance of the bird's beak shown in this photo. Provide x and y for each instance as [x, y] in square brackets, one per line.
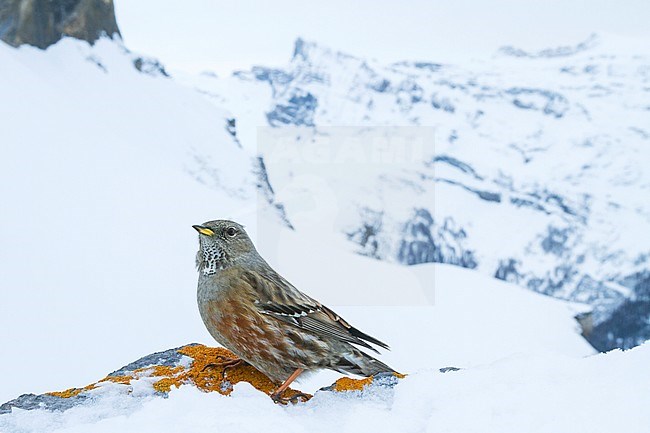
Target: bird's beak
[204, 230]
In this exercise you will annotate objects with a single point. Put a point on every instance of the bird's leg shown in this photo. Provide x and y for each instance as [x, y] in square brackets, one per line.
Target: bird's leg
[277, 395]
[225, 364]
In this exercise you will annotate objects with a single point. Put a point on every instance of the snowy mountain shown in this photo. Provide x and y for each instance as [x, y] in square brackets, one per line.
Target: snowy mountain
[529, 167]
[362, 184]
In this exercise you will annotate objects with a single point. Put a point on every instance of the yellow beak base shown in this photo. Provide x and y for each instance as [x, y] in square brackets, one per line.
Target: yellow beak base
[204, 230]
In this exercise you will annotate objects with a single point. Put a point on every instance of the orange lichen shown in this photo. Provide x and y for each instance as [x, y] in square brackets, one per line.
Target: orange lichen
[221, 378]
[124, 380]
[164, 384]
[208, 374]
[72, 392]
[348, 384]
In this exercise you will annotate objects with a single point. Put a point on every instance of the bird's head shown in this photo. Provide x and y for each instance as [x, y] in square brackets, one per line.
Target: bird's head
[221, 243]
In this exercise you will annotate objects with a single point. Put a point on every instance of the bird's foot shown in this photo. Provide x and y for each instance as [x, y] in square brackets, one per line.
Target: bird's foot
[225, 364]
[295, 398]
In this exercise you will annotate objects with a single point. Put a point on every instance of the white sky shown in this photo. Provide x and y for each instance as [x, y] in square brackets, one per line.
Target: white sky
[197, 35]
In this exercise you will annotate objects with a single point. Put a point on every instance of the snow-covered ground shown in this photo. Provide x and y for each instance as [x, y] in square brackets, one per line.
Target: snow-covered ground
[521, 392]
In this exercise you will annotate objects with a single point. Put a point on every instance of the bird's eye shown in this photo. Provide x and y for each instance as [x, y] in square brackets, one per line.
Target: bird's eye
[231, 232]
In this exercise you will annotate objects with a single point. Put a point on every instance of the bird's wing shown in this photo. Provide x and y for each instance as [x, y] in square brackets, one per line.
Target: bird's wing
[280, 299]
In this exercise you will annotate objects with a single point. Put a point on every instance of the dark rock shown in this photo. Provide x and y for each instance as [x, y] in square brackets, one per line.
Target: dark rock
[408, 93]
[367, 236]
[385, 380]
[42, 23]
[507, 271]
[523, 202]
[555, 240]
[299, 110]
[442, 103]
[551, 202]
[379, 380]
[433, 67]
[425, 66]
[483, 195]
[422, 241]
[43, 401]
[552, 103]
[275, 77]
[265, 188]
[561, 51]
[231, 127]
[169, 358]
[299, 49]
[150, 67]
[561, 277]
[629, 324]
[380, 86]
[627, 327]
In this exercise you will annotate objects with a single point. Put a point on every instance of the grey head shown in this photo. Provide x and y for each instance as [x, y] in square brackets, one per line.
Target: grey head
[221, 244]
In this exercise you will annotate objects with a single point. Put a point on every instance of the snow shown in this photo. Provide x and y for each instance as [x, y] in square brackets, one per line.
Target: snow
[103, 171]
[102, 174]
[534, 393]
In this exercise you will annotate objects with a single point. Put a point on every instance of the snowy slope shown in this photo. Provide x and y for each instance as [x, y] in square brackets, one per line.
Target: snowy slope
[103, 170]
[530, 166]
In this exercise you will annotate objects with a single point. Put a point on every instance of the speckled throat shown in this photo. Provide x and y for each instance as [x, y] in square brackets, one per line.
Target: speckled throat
[210, 259]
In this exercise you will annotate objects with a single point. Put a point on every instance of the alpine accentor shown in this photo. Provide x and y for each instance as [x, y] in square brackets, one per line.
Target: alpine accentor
[253, 311]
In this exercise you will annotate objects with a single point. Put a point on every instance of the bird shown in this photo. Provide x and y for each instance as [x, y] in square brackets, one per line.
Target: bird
[257, 314]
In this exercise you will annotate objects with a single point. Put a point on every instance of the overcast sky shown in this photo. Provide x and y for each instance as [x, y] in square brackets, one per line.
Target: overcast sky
[197, 35]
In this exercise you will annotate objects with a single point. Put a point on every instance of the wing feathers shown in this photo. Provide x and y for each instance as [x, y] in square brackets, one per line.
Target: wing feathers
[280, 299]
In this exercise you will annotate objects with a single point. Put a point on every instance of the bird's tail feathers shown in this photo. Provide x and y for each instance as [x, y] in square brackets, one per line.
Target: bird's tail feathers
[362, 364]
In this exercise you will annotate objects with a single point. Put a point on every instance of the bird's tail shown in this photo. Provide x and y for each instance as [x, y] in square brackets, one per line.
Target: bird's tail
[362, 364]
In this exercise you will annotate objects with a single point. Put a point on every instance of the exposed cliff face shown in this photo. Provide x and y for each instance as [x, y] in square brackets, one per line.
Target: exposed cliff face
[42, 23]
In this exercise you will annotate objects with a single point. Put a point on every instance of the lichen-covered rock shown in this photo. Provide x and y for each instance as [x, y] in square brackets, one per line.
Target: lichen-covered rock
[42, 23]
[194, 364]
[384, 380]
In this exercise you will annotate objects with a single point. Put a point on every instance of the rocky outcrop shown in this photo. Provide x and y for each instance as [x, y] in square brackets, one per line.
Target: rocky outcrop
[42, 23]
[161, 372]
[629, 325]
[561, 51]
[420, 239]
